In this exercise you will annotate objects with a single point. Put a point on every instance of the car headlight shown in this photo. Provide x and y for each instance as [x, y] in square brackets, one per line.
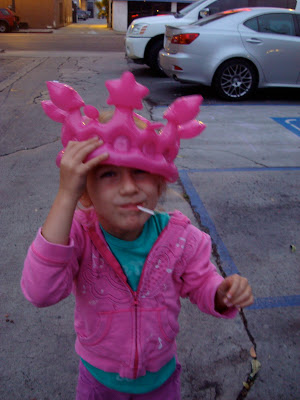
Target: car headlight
[137, 29]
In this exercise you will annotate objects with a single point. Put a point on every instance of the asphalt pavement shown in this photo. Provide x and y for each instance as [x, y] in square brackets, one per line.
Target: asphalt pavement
[239, 181]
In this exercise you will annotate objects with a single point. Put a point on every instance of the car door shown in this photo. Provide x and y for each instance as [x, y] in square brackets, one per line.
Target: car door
[271, 39]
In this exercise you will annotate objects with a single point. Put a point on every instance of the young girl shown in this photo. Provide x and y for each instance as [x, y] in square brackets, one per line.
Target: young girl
[126, 267]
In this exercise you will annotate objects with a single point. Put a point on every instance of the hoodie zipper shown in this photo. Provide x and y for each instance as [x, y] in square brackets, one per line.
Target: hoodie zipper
[135, 298]
[136, 357]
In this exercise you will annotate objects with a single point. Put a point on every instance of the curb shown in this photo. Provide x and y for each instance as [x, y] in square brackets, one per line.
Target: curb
[34, 31]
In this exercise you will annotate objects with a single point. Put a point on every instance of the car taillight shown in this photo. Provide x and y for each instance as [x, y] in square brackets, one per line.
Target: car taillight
[184, 38]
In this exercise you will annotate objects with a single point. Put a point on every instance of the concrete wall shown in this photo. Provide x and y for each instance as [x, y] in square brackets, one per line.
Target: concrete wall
[119, 16]
[45, 14]
[5, 3]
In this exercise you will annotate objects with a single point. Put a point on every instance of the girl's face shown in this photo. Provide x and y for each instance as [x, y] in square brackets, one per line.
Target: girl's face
[115, 193]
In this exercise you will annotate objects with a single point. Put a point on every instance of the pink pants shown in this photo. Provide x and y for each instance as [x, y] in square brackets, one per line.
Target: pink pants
[89, 388]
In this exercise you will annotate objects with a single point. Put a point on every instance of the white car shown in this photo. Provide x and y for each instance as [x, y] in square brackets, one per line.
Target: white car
[236, 51]
[144, 37]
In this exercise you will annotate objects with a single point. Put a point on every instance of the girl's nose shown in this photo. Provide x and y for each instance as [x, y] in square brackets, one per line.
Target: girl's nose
[128, 184]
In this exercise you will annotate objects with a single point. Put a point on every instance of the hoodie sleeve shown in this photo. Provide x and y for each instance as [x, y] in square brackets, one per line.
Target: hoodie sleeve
[49, 271]
[200, 278]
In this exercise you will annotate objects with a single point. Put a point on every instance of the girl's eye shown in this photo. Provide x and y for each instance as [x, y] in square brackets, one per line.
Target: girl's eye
[108, 174]
[139, 172]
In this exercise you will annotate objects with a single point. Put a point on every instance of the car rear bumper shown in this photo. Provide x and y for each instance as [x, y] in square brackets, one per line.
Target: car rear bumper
[181, 67]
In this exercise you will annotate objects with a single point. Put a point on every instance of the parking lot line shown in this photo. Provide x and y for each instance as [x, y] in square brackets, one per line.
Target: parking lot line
[228, 264]
[275, 302]
[246, 169]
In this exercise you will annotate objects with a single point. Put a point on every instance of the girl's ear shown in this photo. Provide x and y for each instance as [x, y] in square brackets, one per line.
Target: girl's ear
[85, 200]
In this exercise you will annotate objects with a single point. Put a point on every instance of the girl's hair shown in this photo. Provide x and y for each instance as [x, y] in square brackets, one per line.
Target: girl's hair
[107, 115]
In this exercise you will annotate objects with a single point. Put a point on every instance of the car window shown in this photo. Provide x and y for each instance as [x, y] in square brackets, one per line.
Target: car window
[282, 24]
[252, 24]
[4, 12]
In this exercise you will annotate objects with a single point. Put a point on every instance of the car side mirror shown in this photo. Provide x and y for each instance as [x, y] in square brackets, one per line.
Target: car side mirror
[204, 13]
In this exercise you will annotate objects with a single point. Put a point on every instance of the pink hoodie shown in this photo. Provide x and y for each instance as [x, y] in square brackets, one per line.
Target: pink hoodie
[119, 330]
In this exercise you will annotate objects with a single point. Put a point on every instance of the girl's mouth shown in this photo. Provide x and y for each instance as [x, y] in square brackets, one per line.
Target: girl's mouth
[131, 206]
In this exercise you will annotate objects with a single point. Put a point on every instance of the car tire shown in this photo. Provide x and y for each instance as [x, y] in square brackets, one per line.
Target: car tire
[153, 56]
[235, 80]
[4, 27]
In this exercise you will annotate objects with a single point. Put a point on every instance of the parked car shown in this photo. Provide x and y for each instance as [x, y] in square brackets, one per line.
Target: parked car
[144, 37]
[236, 51]
[8, 20]
[81, 14]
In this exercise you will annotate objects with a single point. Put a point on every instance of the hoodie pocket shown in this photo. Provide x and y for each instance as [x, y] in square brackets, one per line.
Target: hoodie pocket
[95, 330]
[168, 330]
[159, 335]
[109, 334]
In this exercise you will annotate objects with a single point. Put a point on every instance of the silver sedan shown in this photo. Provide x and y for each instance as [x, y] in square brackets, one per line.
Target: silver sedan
[236, 51]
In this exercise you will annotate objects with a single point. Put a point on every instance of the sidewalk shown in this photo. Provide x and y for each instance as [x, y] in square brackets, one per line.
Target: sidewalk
[93, 23]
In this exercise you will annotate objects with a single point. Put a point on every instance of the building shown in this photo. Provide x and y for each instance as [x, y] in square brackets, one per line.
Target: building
[59, 13]
[45, 14]
[123, 11]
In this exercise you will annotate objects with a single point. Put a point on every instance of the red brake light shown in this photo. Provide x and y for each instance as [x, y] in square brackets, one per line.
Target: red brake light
[184, 38]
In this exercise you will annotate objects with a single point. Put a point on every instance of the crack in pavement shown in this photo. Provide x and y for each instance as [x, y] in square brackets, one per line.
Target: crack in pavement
[243, 157]
[18, 75]
[29, 148]
[250, 379]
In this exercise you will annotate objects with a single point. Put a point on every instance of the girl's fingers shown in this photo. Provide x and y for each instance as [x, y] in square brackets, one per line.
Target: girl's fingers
[96, 161]
[231, 285]
[78, 151]
[239, 292]
[245, 298]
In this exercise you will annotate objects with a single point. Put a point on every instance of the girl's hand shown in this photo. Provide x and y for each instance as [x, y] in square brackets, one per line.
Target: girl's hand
[233, 291]
[73, 175]
[73, 169]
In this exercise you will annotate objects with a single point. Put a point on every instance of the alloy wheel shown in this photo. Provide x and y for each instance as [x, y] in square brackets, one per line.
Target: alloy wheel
[236, 80]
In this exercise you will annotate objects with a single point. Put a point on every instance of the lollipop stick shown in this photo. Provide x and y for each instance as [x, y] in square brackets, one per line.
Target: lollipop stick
[146, 210]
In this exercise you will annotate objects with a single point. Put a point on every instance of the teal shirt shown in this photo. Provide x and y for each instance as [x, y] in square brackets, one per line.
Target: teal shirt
[132, 256]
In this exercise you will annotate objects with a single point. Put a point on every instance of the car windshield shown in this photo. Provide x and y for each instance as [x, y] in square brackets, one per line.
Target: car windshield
[4, 11]
[188, 8]
[217, 16]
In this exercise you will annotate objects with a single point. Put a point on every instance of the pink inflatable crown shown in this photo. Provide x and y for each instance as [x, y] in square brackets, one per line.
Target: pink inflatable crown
[152, 149]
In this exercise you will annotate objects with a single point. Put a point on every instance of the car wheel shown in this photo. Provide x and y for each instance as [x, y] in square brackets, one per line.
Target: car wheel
[153, 56]
[235, 80]
[3, 27]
